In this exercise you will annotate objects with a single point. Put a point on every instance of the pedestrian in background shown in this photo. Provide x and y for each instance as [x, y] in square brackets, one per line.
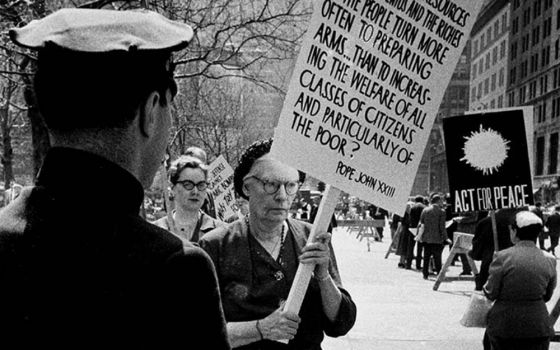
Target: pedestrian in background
[522, 279]
[209, 206]
[405, 244]
[434, 236]
[188, 178]
[415, 213]
[483, 241]
[537, 209]
[553, 226]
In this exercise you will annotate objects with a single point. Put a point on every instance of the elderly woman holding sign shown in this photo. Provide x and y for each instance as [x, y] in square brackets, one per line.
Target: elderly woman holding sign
[256, 259]
[188, 177]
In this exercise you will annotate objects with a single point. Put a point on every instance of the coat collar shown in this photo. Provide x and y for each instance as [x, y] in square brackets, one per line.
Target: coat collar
[91, 180]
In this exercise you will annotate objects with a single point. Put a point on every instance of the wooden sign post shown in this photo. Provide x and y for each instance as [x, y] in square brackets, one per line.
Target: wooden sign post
[462, 243]
[304, 272]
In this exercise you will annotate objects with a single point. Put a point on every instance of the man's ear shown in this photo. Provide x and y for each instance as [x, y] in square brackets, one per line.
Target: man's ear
[148, 115]
[245, 190]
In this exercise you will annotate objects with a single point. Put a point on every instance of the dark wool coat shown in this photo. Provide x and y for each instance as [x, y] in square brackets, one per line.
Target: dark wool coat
[80, 269]
[229, 248]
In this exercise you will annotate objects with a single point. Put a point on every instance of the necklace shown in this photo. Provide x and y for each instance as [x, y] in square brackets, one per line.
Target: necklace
[272, 251]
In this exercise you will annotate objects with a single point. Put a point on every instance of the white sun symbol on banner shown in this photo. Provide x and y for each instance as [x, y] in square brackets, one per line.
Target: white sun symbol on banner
[485, 150]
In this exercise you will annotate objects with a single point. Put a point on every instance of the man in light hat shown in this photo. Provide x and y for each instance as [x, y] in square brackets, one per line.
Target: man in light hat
[71, 276]
[522, 279]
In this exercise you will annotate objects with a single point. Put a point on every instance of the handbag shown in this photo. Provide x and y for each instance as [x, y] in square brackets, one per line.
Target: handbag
[477, 311]
[419, 233]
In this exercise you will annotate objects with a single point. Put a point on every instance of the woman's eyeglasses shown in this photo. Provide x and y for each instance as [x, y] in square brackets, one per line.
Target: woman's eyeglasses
[189, 185]
[271, 187]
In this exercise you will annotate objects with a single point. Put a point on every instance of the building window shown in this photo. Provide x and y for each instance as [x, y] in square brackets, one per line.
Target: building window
[473, 94]
[536, 9]
[523, 70]
[544, 84]
[500, 101]
[489, 35]
[532, 89]
[553, 154]
[475, 48]
[556, 107]
[497, 28]
[502, 49]
[540, 156]
[482, 42]
[557, 49]
[526, 17]
[504, 22]
[513, 50]
[474, 71]
[495, 55]
[525, 43]
[487, 61]
[512, 76]
[536, 35]
[492, 104]
[486, 86]
[515, 25]
[516, 4]
[501, 79]
[545, 56]
[547, 27]
[522, 94]
[493, 83]
[511, 99]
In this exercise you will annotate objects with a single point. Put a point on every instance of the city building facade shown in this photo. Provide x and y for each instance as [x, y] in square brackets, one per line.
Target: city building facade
[489, 52]
[534, 80]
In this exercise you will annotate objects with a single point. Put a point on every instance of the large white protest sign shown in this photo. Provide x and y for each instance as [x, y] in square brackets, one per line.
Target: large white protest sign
[221, 179]
[366, 89]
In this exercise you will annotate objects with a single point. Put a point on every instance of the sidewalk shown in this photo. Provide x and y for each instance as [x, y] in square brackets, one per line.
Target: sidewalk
[397, 309]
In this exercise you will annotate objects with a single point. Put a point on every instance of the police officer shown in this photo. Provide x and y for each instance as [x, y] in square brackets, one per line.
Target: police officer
[78, 270]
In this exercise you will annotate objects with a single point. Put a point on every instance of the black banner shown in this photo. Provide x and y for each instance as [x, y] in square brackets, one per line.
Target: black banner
[488, 161]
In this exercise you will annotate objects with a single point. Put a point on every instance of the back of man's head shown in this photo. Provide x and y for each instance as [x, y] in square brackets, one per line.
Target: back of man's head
[96, 67]
[435, 199]
[81, 91]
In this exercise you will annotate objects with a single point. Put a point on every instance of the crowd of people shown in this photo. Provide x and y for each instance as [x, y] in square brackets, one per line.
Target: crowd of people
[78, 277]
[72, 276]
[517, 275]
